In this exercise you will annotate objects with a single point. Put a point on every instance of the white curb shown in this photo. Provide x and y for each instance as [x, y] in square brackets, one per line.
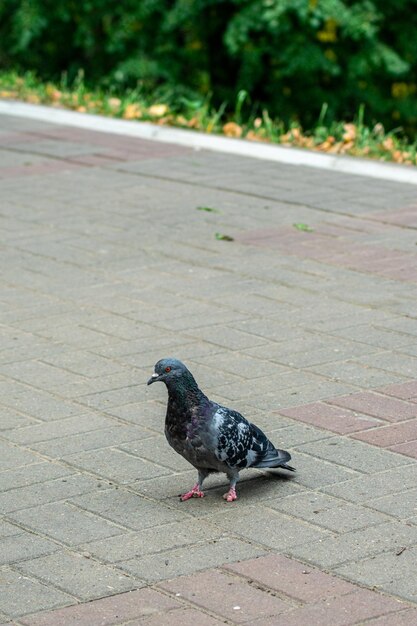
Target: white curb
[196, 140]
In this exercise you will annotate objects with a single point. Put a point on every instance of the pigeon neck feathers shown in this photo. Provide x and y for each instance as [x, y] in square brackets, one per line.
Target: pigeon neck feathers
[184, 396]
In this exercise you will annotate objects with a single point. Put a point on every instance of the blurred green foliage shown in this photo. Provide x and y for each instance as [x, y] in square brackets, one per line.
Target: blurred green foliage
[291, 56]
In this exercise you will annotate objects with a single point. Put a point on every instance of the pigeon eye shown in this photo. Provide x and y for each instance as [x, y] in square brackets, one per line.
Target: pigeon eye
[168, 369]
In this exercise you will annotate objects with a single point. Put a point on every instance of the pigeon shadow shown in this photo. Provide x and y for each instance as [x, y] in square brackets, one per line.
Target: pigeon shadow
[258, 483]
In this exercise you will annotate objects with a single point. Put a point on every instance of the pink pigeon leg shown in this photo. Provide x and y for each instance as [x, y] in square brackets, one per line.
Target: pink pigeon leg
[194, 493]
[230, 496]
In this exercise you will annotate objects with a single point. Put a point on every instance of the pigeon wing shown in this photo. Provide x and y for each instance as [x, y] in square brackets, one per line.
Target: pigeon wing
[241, 444]
[235, 444]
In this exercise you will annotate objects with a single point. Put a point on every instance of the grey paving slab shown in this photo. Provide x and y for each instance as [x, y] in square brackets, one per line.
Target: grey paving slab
[170, 563]
[117, 465]
[331, 513]
[354, 454]
[109, 267]
[47, 491]
[24, 546]
[78, 575]
[334, 551]
[22, 595]
[32, 474]
[65, 523]
[92, 440]
[128, 509]
[368, 487]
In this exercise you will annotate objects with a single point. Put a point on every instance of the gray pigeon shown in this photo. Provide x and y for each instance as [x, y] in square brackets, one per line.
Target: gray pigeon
[211, 437]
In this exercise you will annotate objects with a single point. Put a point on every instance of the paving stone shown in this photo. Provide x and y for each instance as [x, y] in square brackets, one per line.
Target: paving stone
[388, 436]
[12, 419]
[403, 587]
[31, 474]
[62, 428]
[149, 414]
[115, 465]
[356, 374]
[21, 595]
[296, 434]
[382, 484]
[22, 546]
[331, 513]
[333, 551]
[403, 618]
[112, 398]
[156, 448]
[36, 403]
[12, 457]
[316, 473]
[96, 439]
[353, 608]
[409, 449]
[378, 405]
[181, 617]
[331, 418]
[361, 457]
[108, 611]
[270, 528]
[128, 509]
[79, 576]
[66, 523]
[405, 391]
[8, 530]
[47, 491]
[292, 578]
[177, 562]
[401, 505]
[151, 540]
[382, 568]
[253, 602]
[401, 364]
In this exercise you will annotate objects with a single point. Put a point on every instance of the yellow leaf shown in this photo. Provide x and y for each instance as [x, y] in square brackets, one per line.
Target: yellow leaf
[114, 103]
[132, 111]
[33, 98]
[388, 143]
[231, 129]
[350, 133]
[158, 110]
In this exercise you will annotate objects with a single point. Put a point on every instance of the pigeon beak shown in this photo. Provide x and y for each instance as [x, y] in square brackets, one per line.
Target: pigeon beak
[153, 378]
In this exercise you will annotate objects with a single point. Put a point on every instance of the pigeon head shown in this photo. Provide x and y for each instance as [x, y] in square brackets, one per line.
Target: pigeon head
[169, 371]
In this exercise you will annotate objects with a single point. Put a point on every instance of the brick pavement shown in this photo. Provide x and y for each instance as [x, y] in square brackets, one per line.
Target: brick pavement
[108, 266]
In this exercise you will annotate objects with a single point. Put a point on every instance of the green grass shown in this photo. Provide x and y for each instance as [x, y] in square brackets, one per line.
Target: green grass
[352, 137]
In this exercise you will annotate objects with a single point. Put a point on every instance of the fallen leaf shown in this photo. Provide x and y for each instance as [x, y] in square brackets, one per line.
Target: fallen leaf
[231, 129]
[350, 133]
[221, 237]
[303, 227]
[114, 103]
[208, 209]
[158, 110]
[132, 111]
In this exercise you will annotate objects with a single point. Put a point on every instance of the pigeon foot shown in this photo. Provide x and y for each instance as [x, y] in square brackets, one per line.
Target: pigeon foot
[230, 496]
[194, 493]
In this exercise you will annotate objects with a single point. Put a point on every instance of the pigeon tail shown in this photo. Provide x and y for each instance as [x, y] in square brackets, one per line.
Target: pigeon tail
[275, 458]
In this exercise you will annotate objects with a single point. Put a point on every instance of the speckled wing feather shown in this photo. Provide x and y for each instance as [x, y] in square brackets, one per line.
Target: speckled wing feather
[241, 444]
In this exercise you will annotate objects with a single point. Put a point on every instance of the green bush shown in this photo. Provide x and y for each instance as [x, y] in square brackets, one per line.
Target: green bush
[290, 55]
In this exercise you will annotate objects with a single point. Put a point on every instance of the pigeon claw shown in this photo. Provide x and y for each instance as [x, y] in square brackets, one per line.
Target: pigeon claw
[194, 493]
[230, 496]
